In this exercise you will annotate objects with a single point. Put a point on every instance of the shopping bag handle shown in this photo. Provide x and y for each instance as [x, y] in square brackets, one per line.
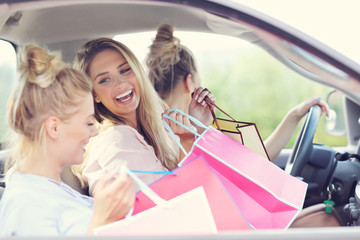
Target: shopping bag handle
[194, 120]
[153, 172]
[210, 104]
[146, 190]
[168, 128]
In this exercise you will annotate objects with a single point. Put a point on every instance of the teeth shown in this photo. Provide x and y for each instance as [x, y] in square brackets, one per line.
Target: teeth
[124, 94]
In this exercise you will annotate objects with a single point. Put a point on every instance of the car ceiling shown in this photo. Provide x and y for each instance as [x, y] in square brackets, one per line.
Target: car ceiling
[93, 20]
[67, 24]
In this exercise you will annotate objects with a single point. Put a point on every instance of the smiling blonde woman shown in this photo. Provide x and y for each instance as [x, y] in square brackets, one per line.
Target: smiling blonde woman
[51, 115]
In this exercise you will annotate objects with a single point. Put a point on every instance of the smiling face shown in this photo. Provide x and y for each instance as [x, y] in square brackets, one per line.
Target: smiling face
[115, 84]
[76, 132]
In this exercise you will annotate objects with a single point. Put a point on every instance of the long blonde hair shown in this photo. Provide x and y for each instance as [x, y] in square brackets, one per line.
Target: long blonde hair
[46, 88]
[150, 103]
[168, 61]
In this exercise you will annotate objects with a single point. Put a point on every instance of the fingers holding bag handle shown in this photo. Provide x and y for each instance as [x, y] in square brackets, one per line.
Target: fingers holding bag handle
[199, 108]
[200, 94]
[204, 97]
[180, 123]
[113, 199]
[168, 119]
[211, 106]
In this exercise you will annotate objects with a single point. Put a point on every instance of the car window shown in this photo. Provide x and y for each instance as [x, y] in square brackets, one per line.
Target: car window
[7, 80]
[229, 67]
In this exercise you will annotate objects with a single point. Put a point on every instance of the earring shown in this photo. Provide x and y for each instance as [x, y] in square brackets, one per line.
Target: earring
[97, 100]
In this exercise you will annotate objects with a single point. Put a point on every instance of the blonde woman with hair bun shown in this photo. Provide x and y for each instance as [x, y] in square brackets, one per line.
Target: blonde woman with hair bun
[51, 117]
[174, 74]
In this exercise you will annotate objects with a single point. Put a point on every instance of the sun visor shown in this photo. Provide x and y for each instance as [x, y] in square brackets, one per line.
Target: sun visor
[228, 27]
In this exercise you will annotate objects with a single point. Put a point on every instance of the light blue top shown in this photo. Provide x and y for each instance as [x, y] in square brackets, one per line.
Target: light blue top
[37, 206]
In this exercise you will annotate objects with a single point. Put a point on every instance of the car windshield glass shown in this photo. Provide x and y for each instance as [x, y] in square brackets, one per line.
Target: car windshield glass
[230, 69]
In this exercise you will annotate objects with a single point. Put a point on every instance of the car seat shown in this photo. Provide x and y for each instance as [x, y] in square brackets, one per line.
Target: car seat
[68, 177]
[2, 172]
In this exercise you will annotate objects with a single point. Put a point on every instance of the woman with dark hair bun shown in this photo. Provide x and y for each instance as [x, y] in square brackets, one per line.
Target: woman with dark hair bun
[173, 73]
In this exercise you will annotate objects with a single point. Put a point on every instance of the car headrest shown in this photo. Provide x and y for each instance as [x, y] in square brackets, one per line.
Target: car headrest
[70, 179]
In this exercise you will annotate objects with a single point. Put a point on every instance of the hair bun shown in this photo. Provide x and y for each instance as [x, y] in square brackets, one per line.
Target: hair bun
[39, 66]
[38, 61]
[168, 61]
[165, 33]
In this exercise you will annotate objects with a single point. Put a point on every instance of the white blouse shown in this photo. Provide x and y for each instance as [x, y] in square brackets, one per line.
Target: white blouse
[33, 205]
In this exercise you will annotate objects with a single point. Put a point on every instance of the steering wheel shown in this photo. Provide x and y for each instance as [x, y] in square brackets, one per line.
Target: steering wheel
[304, 143]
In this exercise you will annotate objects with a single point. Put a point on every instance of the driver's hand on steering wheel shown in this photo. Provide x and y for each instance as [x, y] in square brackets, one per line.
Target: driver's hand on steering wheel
[304, 107]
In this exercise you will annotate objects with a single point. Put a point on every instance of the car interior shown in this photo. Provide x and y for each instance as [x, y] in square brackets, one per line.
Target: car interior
[66, 25]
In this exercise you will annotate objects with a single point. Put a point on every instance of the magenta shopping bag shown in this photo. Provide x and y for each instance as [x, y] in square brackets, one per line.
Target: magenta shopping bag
[187, 213]
[267, 196]
[193, 174]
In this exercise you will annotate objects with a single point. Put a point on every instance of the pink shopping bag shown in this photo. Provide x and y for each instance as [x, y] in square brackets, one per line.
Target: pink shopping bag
[196, 173]
[267, 196]
[188, 213]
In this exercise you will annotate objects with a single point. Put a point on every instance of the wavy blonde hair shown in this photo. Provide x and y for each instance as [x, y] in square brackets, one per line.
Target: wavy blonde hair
[150, 103]
[46, 88]
[168, 61]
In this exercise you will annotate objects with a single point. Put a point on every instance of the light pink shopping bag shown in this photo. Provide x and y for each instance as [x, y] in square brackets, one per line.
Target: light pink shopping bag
[188, 213]
[267, 196]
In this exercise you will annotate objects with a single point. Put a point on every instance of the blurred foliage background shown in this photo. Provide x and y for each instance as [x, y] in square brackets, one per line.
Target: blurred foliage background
[252, 86]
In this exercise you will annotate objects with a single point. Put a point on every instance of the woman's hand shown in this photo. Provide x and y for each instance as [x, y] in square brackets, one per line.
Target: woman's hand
[282, 134]
[178, 129]
[187, 138]
[300, 110]
[114, 197]
[198, 107]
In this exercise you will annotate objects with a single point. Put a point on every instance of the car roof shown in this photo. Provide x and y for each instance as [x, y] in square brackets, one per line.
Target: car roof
[67, 24]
